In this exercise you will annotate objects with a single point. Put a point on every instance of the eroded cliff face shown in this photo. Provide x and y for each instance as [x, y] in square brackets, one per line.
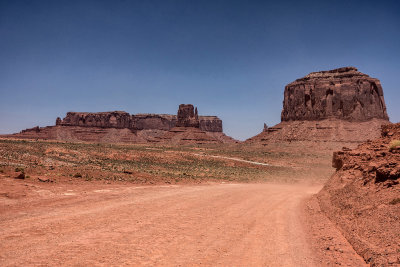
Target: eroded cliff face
[121, 120]
[153, 121]
[362, 197]
[343, 93]
[187, 116]
[113, 119]
[210, 124]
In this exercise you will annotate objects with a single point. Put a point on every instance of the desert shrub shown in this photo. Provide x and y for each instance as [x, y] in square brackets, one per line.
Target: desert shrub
[78, 175]
[394, 144]
[19, 169]
[395, 201]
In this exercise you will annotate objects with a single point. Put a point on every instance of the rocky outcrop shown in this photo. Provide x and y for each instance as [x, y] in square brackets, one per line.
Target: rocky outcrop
[189, 129]
[265, 129]
[363, 197]
[121, 119]
[153, 121]
[343, 93]
[187, 116]
[120, 126]
[328, 130]
[210, 124]
[113, 119]
[340, 105]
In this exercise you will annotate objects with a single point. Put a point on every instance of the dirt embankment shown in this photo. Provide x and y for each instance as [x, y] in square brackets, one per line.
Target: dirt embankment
[363, 197]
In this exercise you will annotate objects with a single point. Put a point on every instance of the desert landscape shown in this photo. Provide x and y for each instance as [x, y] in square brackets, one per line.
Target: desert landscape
[321, 188]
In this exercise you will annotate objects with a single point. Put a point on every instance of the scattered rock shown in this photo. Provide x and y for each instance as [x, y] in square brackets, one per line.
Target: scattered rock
[20, 176]
[45, 180]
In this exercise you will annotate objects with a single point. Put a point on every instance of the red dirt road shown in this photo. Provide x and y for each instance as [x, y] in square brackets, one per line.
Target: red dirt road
[125, 225]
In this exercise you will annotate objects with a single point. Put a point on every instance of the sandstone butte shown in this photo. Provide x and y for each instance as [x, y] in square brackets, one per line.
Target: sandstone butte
[335, 105]
[120, 126]
[188, 130]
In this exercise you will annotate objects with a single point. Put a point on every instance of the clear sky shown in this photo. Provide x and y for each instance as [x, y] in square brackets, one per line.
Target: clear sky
[229, 58]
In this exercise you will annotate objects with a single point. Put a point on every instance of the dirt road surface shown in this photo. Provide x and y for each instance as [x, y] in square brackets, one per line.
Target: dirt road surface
[127, 225]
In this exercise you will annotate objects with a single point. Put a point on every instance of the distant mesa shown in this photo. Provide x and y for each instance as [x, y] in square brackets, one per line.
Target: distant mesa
[187, 116]
[120, 126]
[121, 119]
[189, 130]
[335, 105]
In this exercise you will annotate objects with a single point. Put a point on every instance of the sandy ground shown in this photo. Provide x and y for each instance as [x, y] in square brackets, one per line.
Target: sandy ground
[128, 225]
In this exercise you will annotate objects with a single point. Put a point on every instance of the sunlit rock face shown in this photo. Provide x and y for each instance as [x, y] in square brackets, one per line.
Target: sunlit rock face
[121, 119]
[343, 93]
[187, 116]
[112, 119]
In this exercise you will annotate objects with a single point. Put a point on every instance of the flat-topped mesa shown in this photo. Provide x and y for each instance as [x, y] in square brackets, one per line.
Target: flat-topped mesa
[120, 119]
[343, 93]
[120, 126]
[153, 121]
[187, 116]
[210, 123]
[112, 119]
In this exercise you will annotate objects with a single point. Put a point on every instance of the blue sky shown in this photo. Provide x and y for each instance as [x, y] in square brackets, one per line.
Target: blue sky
[229, 58]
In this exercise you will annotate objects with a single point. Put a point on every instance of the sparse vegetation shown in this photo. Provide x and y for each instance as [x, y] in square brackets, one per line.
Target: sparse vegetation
[394, 144]
[395, 201]
[19, 169]
[149, 163]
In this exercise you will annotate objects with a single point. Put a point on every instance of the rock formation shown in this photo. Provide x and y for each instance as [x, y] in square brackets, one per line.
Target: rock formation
[210, 124]
[343, 93]
[363, 197]
[120, 126]
[153, 121]
[121, 119]
[113, 119]
[342, 105]
[188, 129]
[187, 116]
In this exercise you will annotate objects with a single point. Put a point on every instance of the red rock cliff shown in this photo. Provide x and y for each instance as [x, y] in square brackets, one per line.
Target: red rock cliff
[113, 119]
[121, 119]
[343, 93]
[187, 116]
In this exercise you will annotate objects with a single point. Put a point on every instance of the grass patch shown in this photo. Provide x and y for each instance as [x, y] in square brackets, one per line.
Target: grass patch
[394, 144]
[19, 169]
